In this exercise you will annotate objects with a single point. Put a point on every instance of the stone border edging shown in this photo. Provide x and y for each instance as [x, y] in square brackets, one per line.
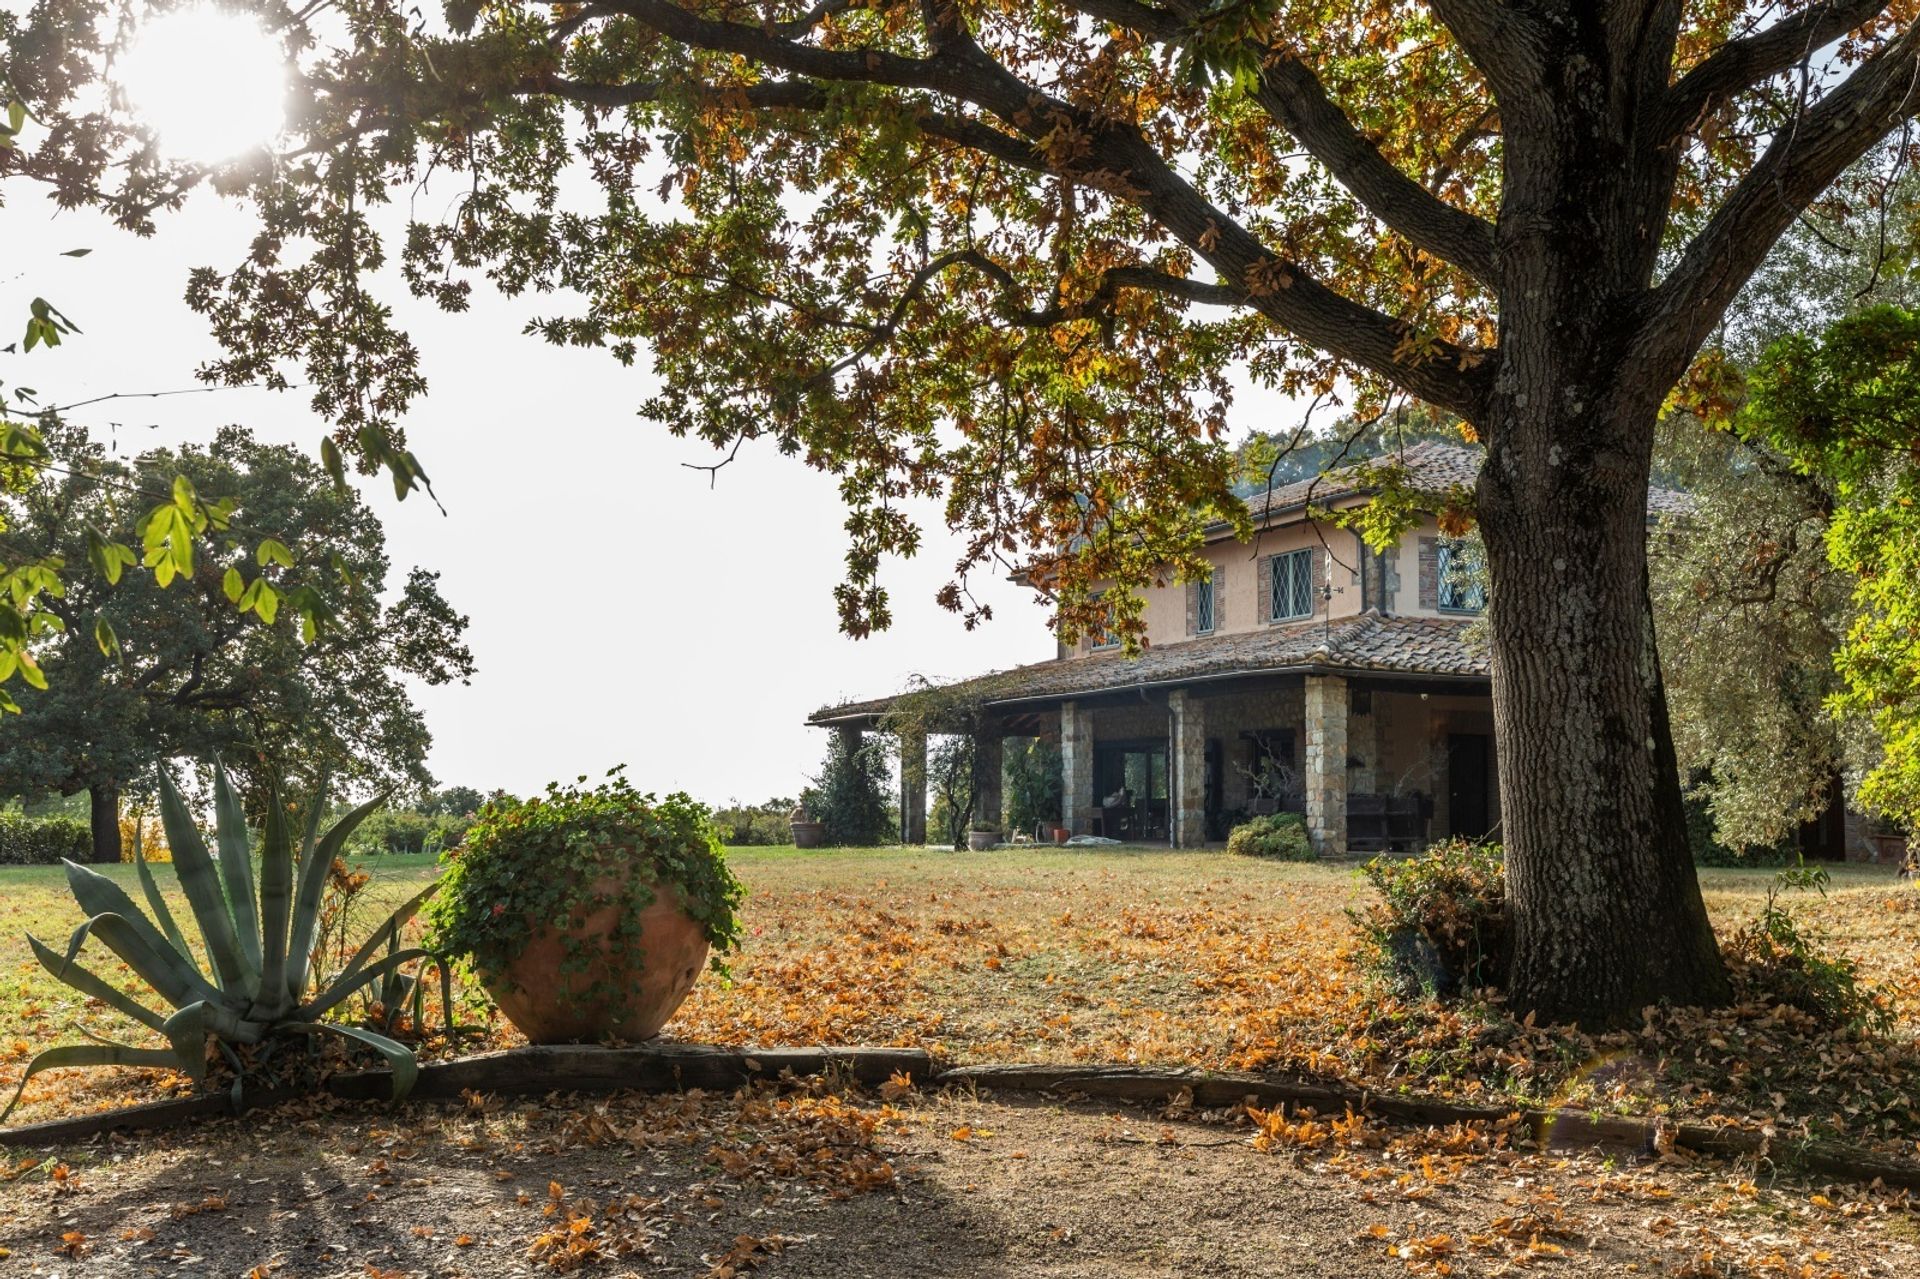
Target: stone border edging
[671, 1066]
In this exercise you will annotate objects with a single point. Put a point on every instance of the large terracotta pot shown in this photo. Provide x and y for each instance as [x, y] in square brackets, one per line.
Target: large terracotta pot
[808, 834]
[981, 840]
[1061, 834]
[534, 993]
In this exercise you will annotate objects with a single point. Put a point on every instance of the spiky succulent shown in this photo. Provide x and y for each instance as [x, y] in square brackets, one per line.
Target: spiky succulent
[258, 939]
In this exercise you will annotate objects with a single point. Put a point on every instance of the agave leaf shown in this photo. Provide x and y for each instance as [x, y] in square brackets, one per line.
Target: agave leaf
[161, 914]
[66, 970]
[399, 1057]
[355, 979]
[201, 881]
[276, 900]
[315, 860]
[181, 981]
[102, 1055]
[187, 1031]
[236, 863]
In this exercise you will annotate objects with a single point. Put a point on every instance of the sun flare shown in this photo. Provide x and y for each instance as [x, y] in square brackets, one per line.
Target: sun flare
[210, 82]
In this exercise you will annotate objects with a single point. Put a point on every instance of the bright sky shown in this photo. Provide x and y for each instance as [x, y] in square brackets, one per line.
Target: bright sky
[700, 628]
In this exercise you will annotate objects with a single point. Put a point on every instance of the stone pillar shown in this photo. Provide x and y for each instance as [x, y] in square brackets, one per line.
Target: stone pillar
[1326, 764]
[1187, 756]
[913, 786]
[1077, 799]
[988, 765]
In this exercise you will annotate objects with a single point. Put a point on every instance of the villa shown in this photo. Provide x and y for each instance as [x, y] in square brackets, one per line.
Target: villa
[1310, 674]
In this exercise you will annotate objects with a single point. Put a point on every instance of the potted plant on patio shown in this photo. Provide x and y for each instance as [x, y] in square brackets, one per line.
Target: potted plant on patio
[807, 833]
[588, 914]
[983, 836]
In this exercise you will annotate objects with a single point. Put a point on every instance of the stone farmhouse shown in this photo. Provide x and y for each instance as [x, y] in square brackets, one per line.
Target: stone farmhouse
[1309, 674]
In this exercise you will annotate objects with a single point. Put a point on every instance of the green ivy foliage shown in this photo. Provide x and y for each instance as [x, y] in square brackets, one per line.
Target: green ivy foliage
[528, 864]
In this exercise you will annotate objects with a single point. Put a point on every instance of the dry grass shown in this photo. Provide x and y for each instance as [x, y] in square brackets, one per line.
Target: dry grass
[1160, 957]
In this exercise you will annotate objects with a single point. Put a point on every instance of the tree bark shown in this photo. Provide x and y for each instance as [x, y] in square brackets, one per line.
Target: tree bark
[103, 813]
[1606, 906]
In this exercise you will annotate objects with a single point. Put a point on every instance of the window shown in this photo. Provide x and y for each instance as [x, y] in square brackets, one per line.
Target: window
[1291, 585]
[1462, 570]
[1104, 636]
[1203, 607]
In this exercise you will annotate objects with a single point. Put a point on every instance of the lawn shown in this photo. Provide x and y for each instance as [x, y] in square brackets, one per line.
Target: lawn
[1018, 955]
[1155, 957]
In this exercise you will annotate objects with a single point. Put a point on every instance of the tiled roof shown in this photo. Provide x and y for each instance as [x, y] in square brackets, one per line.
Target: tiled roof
[1432, 468]
[1368, 642]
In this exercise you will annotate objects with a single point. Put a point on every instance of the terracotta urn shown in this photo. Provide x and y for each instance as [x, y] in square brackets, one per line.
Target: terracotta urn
[808, 834]
[634, 991]
[1061, 834]
[981, 840]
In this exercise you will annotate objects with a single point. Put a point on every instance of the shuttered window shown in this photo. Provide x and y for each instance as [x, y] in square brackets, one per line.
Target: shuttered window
[1291, 588]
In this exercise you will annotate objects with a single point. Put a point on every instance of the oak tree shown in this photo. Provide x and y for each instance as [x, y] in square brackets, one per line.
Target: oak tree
[1010, 253]
[185, 671]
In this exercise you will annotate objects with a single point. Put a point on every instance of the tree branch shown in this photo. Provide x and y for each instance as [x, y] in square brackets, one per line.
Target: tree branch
[1118, 159]
[1291, 93]
[1803, 160]
[1741, 64]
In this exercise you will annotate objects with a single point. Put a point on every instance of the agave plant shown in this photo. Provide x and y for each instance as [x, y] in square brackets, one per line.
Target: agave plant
[258, 940]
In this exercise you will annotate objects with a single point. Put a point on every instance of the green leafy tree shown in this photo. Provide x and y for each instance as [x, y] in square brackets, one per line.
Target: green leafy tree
[1845, 406]
[453, 801]
[849, 797]
[148, 671]
[1015, 255]
[1750, 613]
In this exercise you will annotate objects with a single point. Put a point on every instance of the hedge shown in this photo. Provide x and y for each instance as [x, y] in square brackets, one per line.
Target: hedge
[43, 841]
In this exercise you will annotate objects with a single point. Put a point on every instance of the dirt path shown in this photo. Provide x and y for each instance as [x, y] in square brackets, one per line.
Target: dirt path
[951, 1186]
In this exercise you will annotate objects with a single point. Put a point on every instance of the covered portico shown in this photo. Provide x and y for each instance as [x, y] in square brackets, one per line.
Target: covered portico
[1378, 729]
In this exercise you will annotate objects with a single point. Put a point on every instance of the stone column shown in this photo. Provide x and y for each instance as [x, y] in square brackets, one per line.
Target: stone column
[1076, 768]
[1326, 764]
[988, 764]
[1187, 755]
[913, 786]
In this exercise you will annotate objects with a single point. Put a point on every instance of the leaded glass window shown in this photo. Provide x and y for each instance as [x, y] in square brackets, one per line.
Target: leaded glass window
[1463, 578]
[1292, 585]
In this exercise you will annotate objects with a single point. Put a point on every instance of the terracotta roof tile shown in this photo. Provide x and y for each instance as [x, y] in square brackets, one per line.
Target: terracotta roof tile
[1432, 468]
[1364, 643]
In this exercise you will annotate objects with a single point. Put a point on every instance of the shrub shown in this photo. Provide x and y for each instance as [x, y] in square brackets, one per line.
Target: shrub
[1441, 923]
[529, 863]
[406, 831]
[765, 824]
[849, 797]
[1773, 959]
[43, 841]
[1278, 835]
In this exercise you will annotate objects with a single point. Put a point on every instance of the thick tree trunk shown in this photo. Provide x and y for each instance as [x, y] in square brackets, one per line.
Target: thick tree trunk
[1606, 906]
[103, 813]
